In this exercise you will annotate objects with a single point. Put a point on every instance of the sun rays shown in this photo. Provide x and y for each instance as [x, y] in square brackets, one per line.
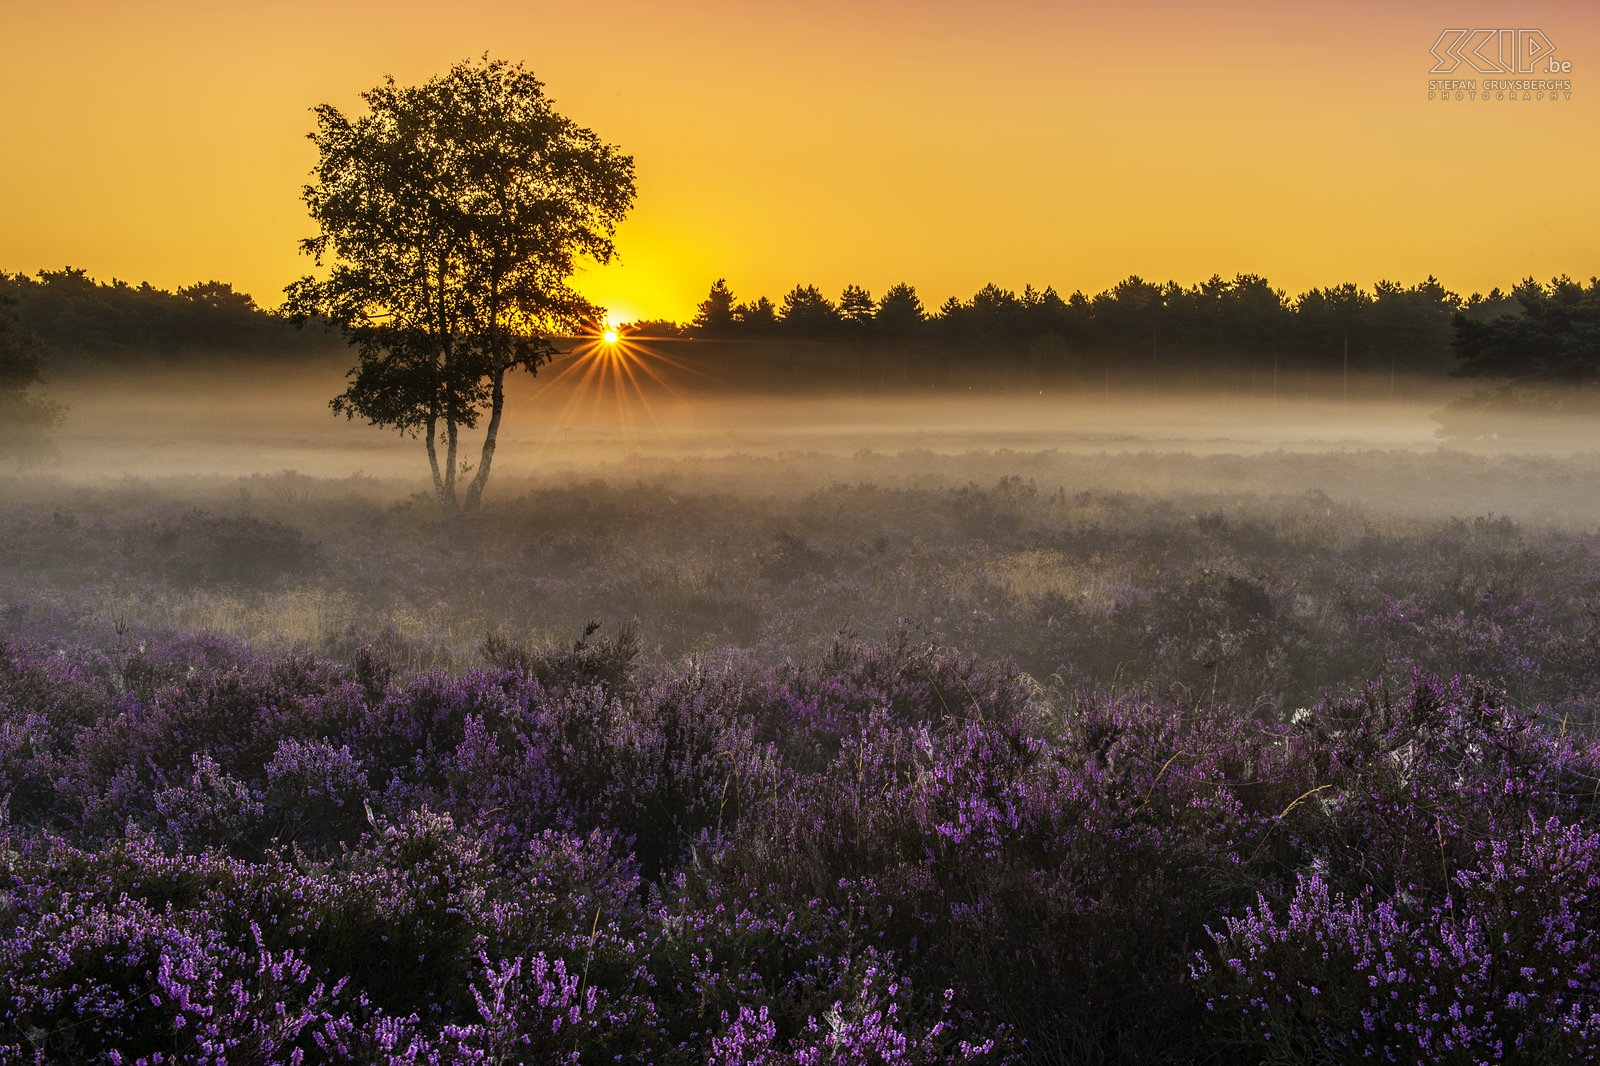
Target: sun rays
[614, 376]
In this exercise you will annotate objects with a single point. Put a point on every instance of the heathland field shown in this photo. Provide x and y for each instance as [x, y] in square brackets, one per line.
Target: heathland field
[802, 733]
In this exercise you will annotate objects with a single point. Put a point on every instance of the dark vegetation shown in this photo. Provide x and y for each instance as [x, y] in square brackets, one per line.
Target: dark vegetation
[1088, 777]
[1138, 331]
[26, 416]
[1243, 598]
[89, 325]
[1239, 335]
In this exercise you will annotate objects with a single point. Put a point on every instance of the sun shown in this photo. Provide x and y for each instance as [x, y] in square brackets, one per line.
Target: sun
[616, 366]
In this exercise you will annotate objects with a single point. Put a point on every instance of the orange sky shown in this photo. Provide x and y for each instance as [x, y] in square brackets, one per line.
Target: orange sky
[926, 141]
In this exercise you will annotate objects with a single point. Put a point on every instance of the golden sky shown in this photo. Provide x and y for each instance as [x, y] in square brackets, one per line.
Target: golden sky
[941, 144]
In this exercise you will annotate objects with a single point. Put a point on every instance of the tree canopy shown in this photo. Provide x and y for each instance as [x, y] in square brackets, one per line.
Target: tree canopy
[452, 217]
[900, 311]
[1554, 340]
[1226, 332]
[82, 321]
[714, 317]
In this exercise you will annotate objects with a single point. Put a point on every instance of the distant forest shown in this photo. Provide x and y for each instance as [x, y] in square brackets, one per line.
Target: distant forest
[1240, 334]
[80, 320]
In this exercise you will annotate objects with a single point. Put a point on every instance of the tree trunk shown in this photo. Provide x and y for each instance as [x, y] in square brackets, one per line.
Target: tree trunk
[447, 495]
[451, 434]
[491, 435]
[433, 462]
[497, 396]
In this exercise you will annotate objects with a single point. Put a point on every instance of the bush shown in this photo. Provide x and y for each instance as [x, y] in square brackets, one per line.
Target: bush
[887, 852]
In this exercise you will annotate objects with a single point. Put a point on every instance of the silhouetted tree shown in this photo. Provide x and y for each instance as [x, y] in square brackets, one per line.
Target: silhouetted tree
[1481, 308]
[757, 319]
[1334, 323]
[808, 313]
[1254, 313]
[1555, 340]
[454, 214]
[1261, 320]
[856, 308]
[26, 417]
[1128, 319]
[652, 329]
[950, 315]
[219, 296]
[1044, 311]
[75, 317]
[900, 312]
[714, 317]
[994, 314]
[1230, 324]
[215, 313]
[1412, 327]
[897, 320]
[855, 317]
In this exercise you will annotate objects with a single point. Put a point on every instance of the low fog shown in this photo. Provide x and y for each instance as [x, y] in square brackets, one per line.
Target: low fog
[1381, 448]
[1228, 542]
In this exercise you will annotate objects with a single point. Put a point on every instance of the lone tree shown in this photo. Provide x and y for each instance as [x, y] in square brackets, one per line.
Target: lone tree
[26, 418]
[452, 217]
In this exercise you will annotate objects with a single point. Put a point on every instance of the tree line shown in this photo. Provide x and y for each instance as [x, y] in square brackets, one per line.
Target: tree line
[77, 318]
[1135, 329]
[1532, 334]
